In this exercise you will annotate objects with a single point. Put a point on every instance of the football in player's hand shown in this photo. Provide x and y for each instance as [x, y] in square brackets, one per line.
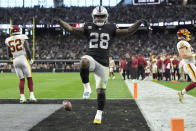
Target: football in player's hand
[67, 105]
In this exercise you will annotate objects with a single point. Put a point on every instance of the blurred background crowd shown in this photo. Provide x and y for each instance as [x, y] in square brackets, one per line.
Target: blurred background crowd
[51, 45]
[64, 50]
[118, 14]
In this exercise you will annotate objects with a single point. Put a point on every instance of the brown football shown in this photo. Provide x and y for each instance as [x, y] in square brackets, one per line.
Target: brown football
[67, 105]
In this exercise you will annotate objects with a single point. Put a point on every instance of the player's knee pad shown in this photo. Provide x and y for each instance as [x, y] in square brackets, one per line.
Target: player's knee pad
[84, 63]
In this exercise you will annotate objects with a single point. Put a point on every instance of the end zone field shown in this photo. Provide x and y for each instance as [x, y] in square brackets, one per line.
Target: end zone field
[121, 112]
[119, 115]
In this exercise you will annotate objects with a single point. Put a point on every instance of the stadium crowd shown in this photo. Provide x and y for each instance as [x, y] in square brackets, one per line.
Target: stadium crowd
[118, 14]
[50, 45]
[63, 47]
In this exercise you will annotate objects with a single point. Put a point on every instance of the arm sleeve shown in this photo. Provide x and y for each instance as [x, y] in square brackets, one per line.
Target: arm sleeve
[86, 29]
[115, 26]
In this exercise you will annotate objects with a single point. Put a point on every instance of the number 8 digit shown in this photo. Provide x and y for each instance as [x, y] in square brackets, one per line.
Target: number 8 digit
[104, 40]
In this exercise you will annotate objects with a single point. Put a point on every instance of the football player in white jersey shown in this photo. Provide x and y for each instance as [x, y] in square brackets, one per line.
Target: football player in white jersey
[18, 49]
[188, 59]
[112, 66]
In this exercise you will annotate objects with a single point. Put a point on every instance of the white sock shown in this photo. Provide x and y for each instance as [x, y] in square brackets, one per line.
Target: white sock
[183, 91]
[99, 114]
[31, 94]
[22, 96]
[87, 87]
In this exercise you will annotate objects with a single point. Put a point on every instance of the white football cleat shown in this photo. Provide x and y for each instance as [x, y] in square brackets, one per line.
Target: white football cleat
[181, 97]
[113, 77]
[87, 94]
[23, 100]
[32, 99]
[97, 121]
[98, 118]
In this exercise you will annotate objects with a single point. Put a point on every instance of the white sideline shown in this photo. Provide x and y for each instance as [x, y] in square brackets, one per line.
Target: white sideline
[159, 104]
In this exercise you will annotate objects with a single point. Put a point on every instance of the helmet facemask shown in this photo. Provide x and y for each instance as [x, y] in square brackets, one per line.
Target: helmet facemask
[100, 16]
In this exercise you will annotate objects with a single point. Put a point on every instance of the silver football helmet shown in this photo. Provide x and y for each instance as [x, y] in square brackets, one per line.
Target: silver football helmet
[100, 15]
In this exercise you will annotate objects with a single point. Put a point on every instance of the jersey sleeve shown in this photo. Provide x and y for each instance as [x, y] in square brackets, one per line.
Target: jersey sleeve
[114, 27]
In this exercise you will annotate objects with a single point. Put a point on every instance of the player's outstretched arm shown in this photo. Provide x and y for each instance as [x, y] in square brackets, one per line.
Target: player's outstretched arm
[131, 30]
[69, 28]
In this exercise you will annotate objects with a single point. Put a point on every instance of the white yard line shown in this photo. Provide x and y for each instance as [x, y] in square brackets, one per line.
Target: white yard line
[159, 104]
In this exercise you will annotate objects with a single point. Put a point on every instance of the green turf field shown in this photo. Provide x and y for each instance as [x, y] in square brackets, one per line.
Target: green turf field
[60, 85]
[178, 86]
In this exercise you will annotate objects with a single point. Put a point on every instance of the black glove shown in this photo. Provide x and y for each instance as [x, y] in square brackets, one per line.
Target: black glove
[146, 24]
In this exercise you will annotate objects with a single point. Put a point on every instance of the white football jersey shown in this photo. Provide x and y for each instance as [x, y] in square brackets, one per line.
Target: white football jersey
[154, 62]
[184, 43]
[111, 64]
[16, 44]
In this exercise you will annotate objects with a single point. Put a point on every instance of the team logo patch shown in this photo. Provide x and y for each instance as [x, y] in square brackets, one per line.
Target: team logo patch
[89, 27]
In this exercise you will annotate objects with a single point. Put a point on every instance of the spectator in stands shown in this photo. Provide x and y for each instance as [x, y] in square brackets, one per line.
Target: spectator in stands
[141, 66]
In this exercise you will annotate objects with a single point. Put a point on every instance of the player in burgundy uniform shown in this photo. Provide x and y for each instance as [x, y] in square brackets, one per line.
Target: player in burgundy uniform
[167, 63]
[18, 49]
[175, 64]
[134, 67]
[99, 35]
[123, 66]
[141, 66]
[160, 69]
